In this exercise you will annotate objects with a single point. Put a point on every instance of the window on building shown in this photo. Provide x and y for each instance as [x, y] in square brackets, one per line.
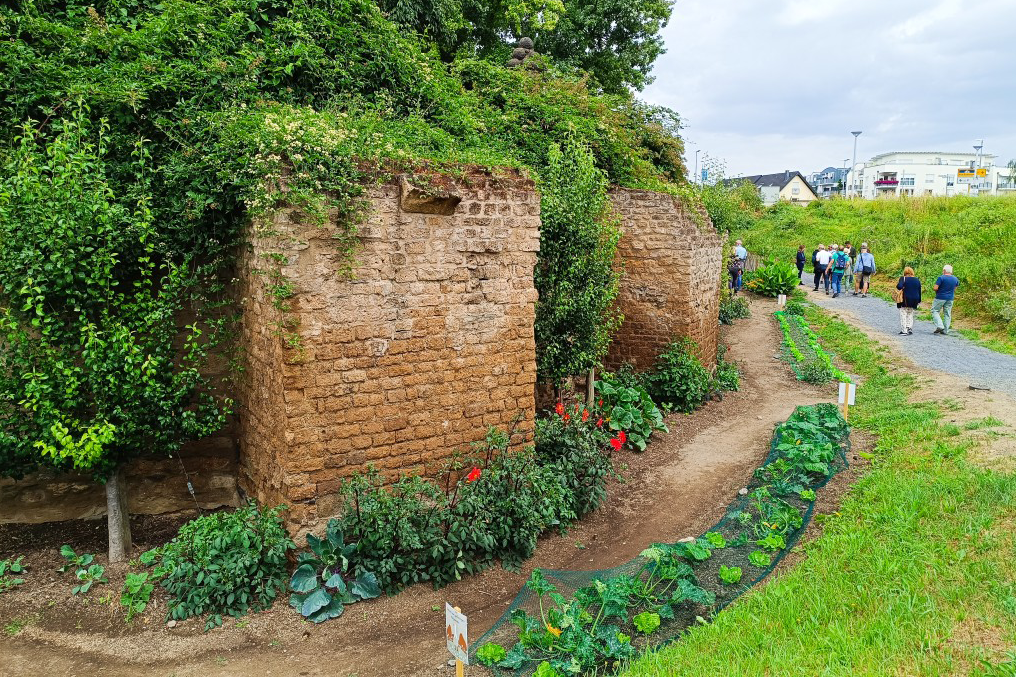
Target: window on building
[796, 190]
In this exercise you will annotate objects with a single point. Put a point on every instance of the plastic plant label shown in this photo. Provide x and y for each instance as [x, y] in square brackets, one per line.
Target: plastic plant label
[456, 633]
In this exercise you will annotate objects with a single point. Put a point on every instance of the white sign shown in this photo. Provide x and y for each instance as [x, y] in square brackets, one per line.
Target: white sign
[781, 300]
[847, 392]
[456, 634]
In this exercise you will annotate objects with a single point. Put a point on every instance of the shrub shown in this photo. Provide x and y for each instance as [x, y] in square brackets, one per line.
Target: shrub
[794, 308]
[323, 583]
[7, 568]
[733, 308]
[577, 451]
[727, 376]
[628, 407]
[678, 379]
[224, 563]
[772, 279]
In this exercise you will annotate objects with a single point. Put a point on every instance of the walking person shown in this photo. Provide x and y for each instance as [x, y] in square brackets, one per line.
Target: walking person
[837, 265]
[800, 264]
[908, 298]
[742, 257]
[821, 262]
[852, 257]
[734, 271]
[945, 293]
[864, 268]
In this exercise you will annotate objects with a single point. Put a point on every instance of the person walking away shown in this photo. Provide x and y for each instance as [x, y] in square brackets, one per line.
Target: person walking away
[800, 264]
[837, 265]
[909, 297]
[852, 257]
[734, 271]
[821, 262]
[945, 293]
[864, 268]
[742, 256]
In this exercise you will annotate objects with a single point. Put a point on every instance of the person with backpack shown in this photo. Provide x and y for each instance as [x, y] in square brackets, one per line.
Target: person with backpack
[800, 264]
[864, 268]
[734, 271]
[907, 297]
[820, 262]
[852, 256]
[838, 263]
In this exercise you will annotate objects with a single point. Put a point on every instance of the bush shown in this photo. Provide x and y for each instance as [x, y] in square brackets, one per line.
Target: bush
[794, 308]
[575, 449]
[490, 505]
[772, 279]
[224, 563]
[733, 308]
[678, 379]
[727, 376]
[323, 584]
[628, 406]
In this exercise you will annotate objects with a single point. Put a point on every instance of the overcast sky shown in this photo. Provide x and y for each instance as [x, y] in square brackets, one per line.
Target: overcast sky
[769, 85]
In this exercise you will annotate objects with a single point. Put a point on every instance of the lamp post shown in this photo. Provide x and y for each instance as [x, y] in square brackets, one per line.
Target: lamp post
[845, 161]
[697, 179]
[977, 175]
[853, 163]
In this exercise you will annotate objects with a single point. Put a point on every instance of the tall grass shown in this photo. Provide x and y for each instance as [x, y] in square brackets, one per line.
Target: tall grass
[977, 236]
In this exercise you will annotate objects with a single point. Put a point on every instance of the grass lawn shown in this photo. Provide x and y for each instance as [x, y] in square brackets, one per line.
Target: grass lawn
[915, 575]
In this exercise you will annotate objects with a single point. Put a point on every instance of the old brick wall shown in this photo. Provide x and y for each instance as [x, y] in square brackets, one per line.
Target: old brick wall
[426, 346]
[672, 262]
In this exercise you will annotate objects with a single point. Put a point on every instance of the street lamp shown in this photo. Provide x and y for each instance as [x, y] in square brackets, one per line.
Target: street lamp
[853, 164]
[697, 179]
[845, 161]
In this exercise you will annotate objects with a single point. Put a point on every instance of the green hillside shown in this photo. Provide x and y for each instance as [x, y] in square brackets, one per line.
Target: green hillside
[975, 235]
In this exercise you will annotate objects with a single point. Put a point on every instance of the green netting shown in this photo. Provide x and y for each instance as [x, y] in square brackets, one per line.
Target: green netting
[783, 476]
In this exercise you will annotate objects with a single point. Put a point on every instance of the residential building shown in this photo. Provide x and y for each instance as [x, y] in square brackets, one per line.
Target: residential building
[828, 182]
[787, 185]
[920, 173]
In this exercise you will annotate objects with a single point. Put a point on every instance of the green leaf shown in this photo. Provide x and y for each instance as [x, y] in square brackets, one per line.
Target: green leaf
[315, 601]
[304, 579]
[646, 622]
[490, 654]
[331, 610]
[365, 586]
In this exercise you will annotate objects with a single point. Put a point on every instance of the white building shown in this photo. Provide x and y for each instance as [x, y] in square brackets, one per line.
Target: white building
[920, 173]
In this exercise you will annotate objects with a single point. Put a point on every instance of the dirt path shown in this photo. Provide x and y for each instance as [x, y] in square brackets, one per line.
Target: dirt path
[678, 487]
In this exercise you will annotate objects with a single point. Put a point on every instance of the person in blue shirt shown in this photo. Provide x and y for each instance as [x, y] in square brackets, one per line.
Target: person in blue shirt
[741, 254]
[945, 294]
[864, 268]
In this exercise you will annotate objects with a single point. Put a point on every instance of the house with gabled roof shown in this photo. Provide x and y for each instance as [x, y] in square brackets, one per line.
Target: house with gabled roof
[786, 185]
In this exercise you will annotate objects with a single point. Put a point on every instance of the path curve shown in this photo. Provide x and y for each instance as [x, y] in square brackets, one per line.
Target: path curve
[952, 354]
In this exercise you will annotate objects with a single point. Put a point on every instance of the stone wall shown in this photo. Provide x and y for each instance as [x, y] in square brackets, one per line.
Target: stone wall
[672, 262]
[428, 344]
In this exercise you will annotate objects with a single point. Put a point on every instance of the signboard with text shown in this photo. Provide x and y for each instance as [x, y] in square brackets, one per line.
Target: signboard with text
[456, 633]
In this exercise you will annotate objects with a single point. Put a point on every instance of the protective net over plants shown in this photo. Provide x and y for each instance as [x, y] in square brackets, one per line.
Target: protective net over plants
[581, 622]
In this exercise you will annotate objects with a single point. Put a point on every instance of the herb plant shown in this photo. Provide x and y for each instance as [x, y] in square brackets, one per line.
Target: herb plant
[730, 575]
[136, 593]
[74, 560]
[88, 577]
[7, 568]
[760, 559]
[678, 379]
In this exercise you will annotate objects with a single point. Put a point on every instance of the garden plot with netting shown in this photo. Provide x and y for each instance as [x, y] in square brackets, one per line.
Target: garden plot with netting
[802, 350]
[585, 622]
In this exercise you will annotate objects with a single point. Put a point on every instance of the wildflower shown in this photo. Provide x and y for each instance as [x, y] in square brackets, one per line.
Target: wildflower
[473, 475]
[566, 417]
[616, 443]
[601, 402]
[554, 631]
[599, 422]
[621, 436]
[585, 415]
[559, 409]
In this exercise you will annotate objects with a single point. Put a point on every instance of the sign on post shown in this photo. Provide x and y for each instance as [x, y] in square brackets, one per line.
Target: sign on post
[456, 633]
[781, 300]
[847, 392]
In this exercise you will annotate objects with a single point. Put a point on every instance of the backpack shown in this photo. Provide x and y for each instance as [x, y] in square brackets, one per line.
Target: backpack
[814, 258]
[839, 262]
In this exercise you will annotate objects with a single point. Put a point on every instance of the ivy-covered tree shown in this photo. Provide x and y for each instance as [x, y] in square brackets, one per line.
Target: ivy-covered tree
[95, 366]
[615, 41]
[575, 274]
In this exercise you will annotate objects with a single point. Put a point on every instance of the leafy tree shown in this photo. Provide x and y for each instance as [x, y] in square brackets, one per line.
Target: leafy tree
[441, 20]
[616, 41]
[575, 275]
[95, 368]
[495, 23]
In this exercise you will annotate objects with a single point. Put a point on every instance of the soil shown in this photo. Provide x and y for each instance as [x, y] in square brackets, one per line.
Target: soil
[679, 487]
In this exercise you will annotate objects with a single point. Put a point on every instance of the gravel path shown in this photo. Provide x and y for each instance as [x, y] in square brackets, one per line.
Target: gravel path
[952, 354]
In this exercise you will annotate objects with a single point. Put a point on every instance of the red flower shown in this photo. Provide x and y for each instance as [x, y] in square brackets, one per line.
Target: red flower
[601, 402]
[621, 436]
[599, 422]
[616, 443]
[559, 408]
[473, 475]
[566, 417]
[585, 415]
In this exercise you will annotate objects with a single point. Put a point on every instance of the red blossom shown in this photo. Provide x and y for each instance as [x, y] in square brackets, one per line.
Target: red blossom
[585, 415]
[621, 436]
[566, 417]
[473, 475]
[599, 422]
[559, 409]
[601, 402]
[616, 443]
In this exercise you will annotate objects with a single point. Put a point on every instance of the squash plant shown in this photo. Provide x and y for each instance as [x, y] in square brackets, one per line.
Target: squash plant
[323, 583]
[629, 408]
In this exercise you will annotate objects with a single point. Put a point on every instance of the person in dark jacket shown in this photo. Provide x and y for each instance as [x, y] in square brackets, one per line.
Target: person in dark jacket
[800, 264]
[911, 288]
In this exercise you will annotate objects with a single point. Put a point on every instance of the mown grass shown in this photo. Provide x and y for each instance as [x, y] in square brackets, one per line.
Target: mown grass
[977, 236]
[915, 575]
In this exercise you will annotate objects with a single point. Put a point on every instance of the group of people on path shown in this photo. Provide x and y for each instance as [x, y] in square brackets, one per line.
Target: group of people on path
[832, 264]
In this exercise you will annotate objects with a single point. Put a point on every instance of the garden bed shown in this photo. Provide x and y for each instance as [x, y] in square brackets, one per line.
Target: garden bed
[802, 350]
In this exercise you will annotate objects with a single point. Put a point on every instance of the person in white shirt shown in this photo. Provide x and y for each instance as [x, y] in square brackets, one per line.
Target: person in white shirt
[822, 258]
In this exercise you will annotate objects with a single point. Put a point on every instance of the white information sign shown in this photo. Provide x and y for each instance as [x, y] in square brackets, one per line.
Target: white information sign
[781, 300]
[456, 633]
[847, 392]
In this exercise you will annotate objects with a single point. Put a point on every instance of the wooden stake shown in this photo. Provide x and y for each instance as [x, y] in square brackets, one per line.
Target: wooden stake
[459, 667]
[590, 389]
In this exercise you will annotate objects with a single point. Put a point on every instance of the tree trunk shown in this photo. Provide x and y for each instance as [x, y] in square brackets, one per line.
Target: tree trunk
[590, 389]
[118, 519]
